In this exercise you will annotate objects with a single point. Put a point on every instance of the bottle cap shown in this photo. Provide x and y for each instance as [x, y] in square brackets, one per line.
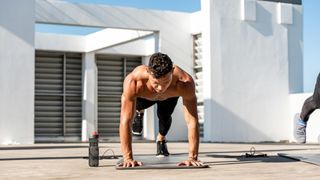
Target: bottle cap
[95, 134]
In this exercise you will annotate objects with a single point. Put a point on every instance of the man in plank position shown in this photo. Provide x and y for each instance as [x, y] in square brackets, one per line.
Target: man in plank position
[160, 83]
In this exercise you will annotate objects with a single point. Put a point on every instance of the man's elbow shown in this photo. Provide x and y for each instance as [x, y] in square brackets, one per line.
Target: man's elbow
[193, 124]
[124, 123]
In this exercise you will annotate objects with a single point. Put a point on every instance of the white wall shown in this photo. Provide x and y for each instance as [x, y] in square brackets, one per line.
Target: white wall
[246, 65]
[140, 47]
[197, 22]
[295, 50]
[88, 43]
[17, 72]
[60, 42]
[90, 96]
[111, 37]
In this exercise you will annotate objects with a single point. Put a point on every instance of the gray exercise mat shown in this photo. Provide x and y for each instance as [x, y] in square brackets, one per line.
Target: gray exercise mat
[153, 162]
[308, 158]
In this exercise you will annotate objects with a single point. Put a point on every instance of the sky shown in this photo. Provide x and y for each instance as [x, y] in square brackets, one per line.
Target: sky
[311, 27]
[311, 42]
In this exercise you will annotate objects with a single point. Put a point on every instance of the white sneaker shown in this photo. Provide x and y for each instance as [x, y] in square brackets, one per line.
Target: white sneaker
[300, 131]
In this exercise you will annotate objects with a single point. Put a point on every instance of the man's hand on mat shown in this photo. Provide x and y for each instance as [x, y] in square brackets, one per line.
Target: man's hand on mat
[131, 163]
[190, 162]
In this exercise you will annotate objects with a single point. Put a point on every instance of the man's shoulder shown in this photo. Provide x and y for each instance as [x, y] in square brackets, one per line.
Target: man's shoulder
[185, 83]
[134, 82]
[139, 72]
[182, 75]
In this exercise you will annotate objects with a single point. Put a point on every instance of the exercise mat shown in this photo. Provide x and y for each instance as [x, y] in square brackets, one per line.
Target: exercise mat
[308, 158]
[153, 162]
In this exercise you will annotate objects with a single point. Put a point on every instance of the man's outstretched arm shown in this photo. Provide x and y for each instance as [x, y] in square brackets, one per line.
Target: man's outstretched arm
[127, 113]
[191, 117]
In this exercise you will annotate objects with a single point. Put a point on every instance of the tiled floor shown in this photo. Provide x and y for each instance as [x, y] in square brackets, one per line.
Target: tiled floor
[227, 161]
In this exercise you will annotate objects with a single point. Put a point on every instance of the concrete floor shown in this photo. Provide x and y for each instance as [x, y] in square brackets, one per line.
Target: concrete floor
[64, 161]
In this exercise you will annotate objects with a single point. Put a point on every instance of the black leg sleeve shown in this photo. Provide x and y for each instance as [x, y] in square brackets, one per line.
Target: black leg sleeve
[312, 103]
[308, 107]
[164, 112]
[316, 93]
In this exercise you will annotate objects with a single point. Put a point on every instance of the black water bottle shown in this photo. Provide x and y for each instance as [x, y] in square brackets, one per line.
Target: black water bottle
[94, 150]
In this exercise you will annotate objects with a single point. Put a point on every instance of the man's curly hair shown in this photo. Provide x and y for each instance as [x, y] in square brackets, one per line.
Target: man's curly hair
[160, 64]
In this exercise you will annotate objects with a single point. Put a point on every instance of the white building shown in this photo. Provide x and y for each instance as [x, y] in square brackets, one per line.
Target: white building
[246, 56]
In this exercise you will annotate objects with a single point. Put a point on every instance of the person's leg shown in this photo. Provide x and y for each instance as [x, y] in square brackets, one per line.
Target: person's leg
[310, 104]
[164, 112]
[316, 93]
[300, 133]
[137, 124]
[308, 107]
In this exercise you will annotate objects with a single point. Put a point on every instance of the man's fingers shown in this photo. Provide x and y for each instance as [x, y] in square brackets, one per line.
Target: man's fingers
[187, 163]
[194, 163]
[184, 163]
[127, 164]
[119, 165]
[131, 164]
[190, 163]
[197, 163]
[140, 163]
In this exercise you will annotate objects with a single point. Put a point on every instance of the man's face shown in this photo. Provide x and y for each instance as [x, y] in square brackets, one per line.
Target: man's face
[161, 84]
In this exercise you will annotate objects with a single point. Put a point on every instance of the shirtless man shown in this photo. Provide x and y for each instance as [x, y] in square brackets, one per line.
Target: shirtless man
[163, 83]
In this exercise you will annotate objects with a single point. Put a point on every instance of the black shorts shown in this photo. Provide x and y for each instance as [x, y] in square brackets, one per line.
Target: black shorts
[165, 109]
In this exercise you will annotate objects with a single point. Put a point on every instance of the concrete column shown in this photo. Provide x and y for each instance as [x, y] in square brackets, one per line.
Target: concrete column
[89, 98]
[207, 41]
[149, 121]
[17, 72]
